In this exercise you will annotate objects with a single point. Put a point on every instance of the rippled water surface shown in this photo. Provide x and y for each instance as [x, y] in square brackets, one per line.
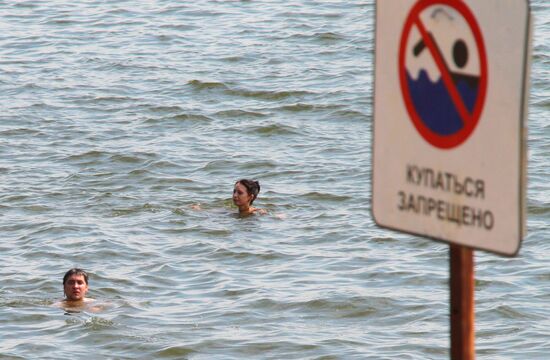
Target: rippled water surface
[118, 116]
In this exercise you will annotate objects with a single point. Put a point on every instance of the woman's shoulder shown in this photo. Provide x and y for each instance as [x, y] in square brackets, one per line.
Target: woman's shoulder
[259, 211]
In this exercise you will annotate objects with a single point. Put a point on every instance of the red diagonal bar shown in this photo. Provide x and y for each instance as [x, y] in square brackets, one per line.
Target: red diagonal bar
[444, 70]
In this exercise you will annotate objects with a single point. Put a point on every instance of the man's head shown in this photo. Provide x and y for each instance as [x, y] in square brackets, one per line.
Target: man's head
[75, 284]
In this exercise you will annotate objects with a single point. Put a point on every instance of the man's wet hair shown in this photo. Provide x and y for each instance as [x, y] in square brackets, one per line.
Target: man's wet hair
[75, 271]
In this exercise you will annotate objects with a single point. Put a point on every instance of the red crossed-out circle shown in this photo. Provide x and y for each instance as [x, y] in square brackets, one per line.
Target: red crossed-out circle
[470, 120]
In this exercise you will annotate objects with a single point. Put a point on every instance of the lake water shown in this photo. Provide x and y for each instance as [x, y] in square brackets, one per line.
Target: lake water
[117, 117]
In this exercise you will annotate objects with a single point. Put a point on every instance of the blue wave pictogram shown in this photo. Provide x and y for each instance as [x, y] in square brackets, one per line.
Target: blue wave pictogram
[434, 104]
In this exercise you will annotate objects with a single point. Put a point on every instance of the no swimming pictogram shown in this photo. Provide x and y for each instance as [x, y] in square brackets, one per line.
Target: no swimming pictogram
[443, 71]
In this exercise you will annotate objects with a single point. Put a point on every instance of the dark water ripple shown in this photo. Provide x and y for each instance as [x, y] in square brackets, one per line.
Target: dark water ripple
[118, 118]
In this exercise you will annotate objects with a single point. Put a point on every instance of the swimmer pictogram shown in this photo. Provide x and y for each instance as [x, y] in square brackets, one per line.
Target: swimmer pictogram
[443, 71]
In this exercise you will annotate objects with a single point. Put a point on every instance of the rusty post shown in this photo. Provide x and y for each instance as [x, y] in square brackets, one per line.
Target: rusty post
[462, 302]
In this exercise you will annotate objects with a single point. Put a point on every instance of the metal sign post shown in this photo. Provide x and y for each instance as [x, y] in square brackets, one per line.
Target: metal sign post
[462, 283]
[449, 133]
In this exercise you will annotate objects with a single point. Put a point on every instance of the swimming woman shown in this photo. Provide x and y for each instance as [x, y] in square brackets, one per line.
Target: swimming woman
[244, 194]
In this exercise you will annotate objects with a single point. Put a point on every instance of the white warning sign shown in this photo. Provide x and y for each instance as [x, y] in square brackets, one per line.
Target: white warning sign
[449, 146]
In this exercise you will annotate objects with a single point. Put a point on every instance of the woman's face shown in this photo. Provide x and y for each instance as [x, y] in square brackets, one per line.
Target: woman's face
[241, 197]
